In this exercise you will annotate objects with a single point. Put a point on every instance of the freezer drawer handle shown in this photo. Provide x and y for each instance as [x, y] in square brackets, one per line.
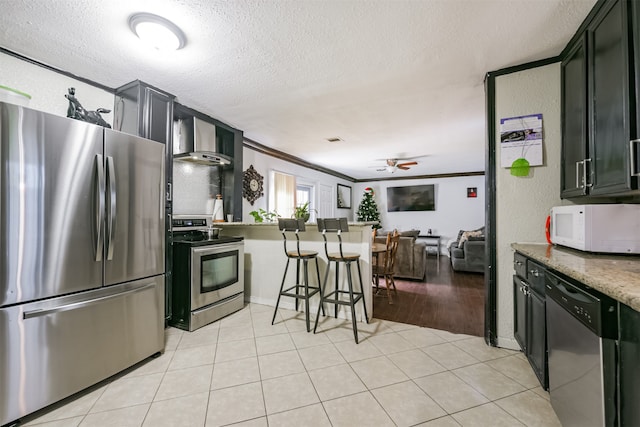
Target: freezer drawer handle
[111, 217]
[99, 206]
[81, 304]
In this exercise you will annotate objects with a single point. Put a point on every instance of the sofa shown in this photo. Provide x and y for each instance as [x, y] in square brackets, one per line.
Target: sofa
[467, 253]
[411, 258]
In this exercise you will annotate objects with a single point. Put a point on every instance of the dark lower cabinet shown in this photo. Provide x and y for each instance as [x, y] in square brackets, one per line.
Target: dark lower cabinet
[537, 353]
[520, 290]
[629, 366]
[530, 324]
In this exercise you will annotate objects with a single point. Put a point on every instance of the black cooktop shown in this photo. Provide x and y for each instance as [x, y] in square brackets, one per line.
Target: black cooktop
[193, 238]
[193, 232]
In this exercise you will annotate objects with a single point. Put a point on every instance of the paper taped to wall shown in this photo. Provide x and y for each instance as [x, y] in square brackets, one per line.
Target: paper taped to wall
[521, 137]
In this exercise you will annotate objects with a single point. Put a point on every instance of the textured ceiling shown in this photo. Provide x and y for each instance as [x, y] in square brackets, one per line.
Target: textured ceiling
[391, 78]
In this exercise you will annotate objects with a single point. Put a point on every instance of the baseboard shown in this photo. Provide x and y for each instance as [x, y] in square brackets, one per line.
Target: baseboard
[508, 343]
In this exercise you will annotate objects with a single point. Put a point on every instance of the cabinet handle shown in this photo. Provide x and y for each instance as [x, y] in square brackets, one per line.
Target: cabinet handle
[534, 273]
[518, 263]
[587, 184]
[632, 157]
[578, 184]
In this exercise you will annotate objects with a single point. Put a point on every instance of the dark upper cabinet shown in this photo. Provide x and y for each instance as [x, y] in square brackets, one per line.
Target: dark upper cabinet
[143, 110]
[634, 12]
[574, 125]
[609, 117]
[602, 164]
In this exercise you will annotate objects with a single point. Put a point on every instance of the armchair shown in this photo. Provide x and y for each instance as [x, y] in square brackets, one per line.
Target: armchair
[467, 253]
[411, 257]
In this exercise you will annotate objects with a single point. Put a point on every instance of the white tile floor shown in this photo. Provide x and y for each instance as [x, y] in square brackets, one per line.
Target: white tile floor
[242, 371]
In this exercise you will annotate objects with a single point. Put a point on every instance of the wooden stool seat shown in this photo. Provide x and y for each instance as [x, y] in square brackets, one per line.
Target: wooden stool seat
[302, 254]
[336, 256]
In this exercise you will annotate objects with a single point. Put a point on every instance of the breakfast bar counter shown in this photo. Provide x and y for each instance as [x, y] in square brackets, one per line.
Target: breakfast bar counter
[265, 259]
[617, 276]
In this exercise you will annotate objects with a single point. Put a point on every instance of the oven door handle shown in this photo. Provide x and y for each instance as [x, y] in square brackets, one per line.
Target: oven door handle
[216, 248]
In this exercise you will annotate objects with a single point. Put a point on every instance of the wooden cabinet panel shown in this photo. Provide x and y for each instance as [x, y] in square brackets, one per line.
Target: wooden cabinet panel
[629, 366]
[520, 290]
[599, 105]
[529, 320]
[609, 101]
[538, 337]
[574, 123]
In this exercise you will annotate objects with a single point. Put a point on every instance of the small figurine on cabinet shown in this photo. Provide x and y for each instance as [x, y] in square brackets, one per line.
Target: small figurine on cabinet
[75, 110]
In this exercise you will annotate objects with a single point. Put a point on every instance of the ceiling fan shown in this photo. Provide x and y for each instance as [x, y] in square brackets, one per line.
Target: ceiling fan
[393, 165]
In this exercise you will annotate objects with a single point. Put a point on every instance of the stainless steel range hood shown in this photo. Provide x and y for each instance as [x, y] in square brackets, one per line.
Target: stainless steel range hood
[196, 141]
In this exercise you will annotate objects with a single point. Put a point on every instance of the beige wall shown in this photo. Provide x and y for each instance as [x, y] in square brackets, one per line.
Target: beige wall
[47, 88]
[523, 203]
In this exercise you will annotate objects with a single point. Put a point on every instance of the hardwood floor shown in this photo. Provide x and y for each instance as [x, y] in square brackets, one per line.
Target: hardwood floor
[449, 300]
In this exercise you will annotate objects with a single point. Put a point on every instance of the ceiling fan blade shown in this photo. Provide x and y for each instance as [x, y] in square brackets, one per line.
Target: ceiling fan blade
[407, 164]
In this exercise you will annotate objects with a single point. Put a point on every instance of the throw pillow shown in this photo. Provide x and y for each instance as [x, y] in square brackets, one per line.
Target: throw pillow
[465, 236]
[410, 233]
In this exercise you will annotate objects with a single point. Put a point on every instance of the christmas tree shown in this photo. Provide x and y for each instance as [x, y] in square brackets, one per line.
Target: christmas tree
[368, 210]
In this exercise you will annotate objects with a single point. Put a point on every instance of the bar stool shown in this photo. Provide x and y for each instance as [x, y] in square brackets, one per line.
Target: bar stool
[339, 226]
[295, 226]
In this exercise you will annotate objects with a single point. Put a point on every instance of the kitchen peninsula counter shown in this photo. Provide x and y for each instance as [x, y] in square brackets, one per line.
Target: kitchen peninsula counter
[617, 276]
[265, 259]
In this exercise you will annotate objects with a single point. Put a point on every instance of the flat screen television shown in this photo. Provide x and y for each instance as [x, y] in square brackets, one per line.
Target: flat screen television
[412, 198]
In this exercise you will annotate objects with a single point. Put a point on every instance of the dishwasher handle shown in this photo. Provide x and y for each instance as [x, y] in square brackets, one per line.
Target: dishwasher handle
[569, 292]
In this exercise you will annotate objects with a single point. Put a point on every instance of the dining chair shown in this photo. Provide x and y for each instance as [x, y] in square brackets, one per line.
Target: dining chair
[386, 267]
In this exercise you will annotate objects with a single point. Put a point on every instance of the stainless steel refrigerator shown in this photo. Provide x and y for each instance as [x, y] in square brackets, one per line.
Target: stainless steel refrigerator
[81, 256]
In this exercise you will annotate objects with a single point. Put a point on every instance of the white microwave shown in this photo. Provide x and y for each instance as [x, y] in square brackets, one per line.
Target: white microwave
[612, 228]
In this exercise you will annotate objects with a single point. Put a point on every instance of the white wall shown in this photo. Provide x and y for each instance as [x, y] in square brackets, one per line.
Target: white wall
[454, 210]
[47, 88]
[523, 203]
[264, 164]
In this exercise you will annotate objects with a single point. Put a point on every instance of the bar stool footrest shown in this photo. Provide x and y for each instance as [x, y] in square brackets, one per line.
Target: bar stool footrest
[312, 291]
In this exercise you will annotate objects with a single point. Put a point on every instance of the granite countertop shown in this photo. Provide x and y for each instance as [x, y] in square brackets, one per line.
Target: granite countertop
[275, 223]
[617, 276]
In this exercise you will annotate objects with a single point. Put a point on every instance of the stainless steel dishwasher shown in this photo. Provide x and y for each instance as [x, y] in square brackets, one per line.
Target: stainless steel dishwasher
[581, 333]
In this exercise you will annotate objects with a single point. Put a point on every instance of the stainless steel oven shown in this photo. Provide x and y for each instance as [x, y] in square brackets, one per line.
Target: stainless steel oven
[208, 276]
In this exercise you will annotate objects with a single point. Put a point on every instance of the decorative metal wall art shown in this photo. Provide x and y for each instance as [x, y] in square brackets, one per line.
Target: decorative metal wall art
[78, 112]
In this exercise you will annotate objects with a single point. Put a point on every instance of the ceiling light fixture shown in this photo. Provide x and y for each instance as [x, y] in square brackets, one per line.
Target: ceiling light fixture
[157, 31]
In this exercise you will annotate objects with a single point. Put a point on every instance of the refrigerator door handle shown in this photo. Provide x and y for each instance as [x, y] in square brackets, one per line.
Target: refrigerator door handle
[111, 213]
[99, 206]
[81, 304]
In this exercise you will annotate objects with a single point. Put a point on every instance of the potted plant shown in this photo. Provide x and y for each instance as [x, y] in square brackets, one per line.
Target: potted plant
[302, 211]
[261, 215]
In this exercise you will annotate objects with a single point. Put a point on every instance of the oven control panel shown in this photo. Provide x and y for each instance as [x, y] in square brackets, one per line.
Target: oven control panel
[189, 222]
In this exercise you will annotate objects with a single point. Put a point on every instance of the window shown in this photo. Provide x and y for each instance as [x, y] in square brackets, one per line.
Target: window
[304, 194]
[284, 194]
[289, 191]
